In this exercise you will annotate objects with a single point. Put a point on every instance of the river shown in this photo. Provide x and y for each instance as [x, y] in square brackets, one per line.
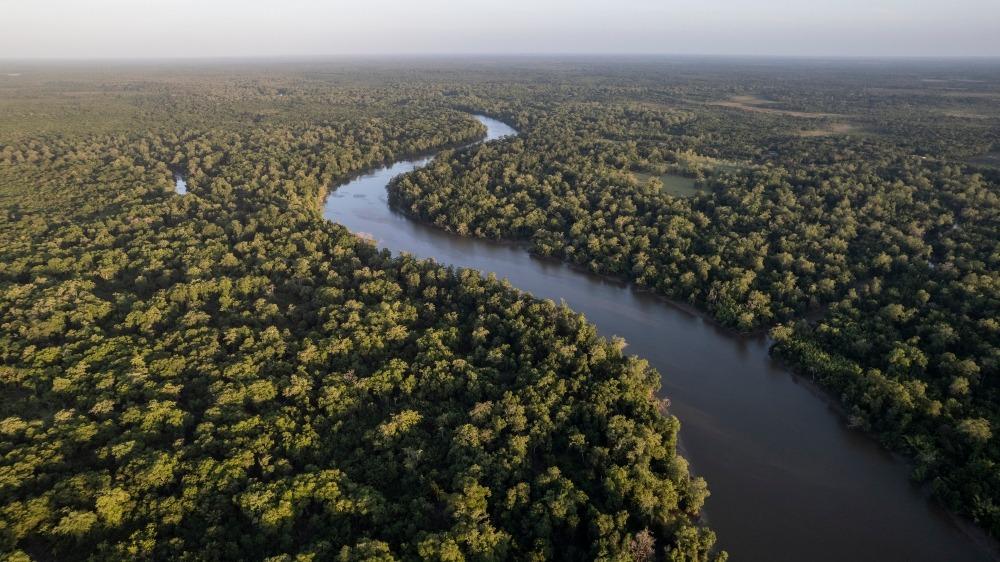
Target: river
[789, 480]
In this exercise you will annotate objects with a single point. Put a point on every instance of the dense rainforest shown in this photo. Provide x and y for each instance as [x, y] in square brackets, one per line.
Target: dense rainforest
[226, 375]
[853, 211]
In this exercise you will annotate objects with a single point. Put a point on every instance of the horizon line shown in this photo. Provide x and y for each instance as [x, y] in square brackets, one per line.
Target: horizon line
[467, 55]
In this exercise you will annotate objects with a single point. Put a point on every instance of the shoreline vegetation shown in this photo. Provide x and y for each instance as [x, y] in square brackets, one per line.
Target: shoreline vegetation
[975, 532]
[911, 361]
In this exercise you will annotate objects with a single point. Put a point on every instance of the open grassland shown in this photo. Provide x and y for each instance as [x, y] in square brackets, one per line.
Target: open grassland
[830, 129]
[759, 105]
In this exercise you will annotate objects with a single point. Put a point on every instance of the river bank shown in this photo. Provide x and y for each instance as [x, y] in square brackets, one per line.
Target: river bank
[789, 480]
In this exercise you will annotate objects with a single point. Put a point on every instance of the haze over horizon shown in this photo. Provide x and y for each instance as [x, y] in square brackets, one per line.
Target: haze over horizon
[230, 28]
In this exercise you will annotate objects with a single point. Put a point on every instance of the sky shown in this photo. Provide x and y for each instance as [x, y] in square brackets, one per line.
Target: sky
[218, 28]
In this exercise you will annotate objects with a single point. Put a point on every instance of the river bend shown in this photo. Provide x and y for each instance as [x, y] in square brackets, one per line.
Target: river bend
[789, 481]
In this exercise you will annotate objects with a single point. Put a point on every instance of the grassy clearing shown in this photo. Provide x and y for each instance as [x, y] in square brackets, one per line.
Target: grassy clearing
[673, 184]
[755, 104]
[968, 115]
[829, 130]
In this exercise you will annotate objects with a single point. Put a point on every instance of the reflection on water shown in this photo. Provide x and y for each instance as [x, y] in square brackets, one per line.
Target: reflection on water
[788, 480]
[180, 186]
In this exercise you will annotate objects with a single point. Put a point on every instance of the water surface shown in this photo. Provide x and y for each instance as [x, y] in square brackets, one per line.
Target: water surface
[789, 481]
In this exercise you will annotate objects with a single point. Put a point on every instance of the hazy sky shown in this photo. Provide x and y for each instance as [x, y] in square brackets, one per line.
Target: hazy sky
[185, 28]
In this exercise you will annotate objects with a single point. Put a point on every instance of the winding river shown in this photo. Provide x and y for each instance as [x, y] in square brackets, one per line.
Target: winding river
[789, 481]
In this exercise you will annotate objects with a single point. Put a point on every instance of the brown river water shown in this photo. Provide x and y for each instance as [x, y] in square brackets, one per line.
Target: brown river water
[789, 480]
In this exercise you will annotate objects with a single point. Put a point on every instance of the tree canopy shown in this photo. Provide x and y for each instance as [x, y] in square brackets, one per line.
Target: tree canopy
[226, 375]
[850, 210]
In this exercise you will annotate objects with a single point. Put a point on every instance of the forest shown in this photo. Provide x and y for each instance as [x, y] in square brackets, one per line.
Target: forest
[849, 211]
[227, 375]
